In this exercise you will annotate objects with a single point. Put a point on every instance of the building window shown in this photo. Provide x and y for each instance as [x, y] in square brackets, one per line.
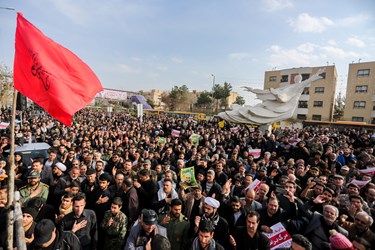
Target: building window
[273, 78]
[363, 72]
[284, 78]
[318, 103]
[323, 75]
[305, 76]
[361, 89]
[357, 119]
[306, 91]
[316, 117]
[301, 117]
[359, 105]
[302, 104]
[319, 89]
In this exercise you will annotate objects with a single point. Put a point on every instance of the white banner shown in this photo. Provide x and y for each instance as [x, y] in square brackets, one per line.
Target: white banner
[113, 94]
[255, 152]
[279, 238]
[176, 133]
[4, 125]
[369, 171]
[254, 185]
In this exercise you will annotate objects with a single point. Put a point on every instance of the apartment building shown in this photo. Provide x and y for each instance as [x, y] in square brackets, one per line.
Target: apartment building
[316, 101]
[360, 93]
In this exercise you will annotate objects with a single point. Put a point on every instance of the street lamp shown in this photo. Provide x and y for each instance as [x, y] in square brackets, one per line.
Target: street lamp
[213, 85]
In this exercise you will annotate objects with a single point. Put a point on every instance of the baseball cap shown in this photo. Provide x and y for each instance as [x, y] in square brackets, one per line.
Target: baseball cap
[43, 232]
[149, 217]
[147, 162]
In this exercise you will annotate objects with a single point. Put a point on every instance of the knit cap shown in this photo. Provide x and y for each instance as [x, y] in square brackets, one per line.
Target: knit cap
[339, 241]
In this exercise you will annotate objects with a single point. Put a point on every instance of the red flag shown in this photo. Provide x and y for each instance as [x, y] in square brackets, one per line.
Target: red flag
[51, 75]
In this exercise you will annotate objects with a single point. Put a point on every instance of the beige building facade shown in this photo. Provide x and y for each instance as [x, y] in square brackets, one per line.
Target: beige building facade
[316, 101]
[360, 93]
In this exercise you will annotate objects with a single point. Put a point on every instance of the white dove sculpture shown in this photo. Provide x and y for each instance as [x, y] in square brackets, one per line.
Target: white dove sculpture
[278, 103]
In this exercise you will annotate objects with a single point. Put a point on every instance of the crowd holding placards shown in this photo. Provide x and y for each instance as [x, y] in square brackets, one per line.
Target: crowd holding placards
[113, 182]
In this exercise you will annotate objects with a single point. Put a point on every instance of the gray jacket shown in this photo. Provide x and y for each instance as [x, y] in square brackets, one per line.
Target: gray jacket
[131, 243]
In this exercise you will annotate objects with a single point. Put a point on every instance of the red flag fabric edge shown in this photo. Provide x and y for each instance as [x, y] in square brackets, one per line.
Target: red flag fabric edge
[51, 75]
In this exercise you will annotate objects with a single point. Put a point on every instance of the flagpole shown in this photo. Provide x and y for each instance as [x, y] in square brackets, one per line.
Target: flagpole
[10, 201]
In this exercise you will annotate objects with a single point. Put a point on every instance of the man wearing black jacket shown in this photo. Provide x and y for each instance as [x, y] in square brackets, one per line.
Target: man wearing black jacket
[47, 237]
[250, 237]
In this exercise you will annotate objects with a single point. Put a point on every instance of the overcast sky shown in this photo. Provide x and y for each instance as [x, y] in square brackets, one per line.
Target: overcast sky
[139, 44]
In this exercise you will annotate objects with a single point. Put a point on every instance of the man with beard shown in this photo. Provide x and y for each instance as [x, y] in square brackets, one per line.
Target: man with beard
[273, 214]
[58, 173]
[360, 227]
[235, 214]
[82, 222]
[177, 225]
[63, 185]
[145, 230]
[114, 163]
[130, 201]
[127, 170]
[47, 237]
[250, 203]
[45, 172]
[344, 158]
[114, 226]
[34, 188]
[317, 231]
[221, 234]
[65, 207]
[194, 203]
[101, 196]
[29, 214]
[88, 186]
[164, 197]
[205, 239]
[250, 237]
[146, 188]
[116, 189]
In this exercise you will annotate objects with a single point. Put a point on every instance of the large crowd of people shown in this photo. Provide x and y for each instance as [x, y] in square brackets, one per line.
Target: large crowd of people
[111, 181]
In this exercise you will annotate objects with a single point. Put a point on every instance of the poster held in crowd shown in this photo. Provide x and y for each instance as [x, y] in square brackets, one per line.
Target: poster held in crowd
[279, 238]
[255, 152]
[188, 177]
[194, 138]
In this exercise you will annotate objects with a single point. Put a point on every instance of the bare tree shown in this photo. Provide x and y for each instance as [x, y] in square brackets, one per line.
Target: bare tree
[6, 85]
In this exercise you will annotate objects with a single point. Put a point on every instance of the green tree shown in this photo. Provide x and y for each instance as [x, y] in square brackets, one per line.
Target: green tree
[177, 98]
[151, 102]
[227, 88]
[204, 100]
[339, 107]
[6, 85]
[221, 93]
[240, 100]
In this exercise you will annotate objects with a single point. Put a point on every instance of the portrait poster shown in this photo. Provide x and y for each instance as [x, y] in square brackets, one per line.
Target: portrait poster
[188, 177]
[194, 138]
[162, 141]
